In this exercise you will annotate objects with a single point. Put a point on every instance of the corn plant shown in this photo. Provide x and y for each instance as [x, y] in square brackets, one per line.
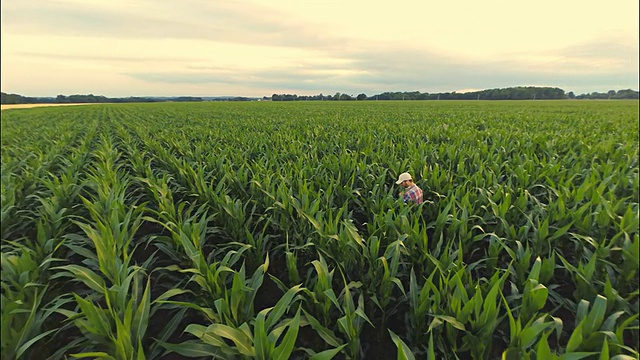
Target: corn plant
[383, 276]
[117, 330]
[404, 353]
[592, 329]
[352, 321]
[270, 337]
[236, 305]
[25, 310]
[322, 292]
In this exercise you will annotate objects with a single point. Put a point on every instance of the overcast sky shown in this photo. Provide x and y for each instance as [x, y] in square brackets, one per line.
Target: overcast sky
[255, 48]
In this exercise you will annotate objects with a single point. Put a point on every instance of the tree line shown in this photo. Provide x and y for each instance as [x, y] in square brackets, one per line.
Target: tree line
[611, 94]
[73, 99]
[511, 93]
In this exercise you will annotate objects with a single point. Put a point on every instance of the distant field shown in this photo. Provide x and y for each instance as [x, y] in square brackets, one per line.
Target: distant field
[28, 106]
[275, 230]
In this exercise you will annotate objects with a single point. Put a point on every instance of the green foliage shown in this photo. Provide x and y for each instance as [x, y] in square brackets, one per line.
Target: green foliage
[266, 230]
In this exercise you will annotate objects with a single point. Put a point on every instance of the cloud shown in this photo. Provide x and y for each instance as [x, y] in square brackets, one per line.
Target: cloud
[375, 68]
[231, 22]
[291, 48]
[613, 53]
[97, 58]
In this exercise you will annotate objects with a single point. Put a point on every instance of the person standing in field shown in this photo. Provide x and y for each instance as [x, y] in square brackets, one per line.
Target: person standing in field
[412, 193]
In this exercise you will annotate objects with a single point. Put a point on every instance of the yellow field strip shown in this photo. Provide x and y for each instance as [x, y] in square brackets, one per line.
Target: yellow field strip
[24, 106]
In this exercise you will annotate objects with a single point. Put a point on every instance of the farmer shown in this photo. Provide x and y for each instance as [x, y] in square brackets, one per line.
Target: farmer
[413, 193]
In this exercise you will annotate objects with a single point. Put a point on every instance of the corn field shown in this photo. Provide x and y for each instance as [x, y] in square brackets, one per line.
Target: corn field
[259, 230]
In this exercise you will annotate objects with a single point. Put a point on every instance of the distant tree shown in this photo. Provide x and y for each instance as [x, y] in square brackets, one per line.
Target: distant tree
[13, 99]
[188, 98]
[626, 94]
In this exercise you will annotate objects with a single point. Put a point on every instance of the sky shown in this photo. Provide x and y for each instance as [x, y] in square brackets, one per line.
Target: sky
[258, 48]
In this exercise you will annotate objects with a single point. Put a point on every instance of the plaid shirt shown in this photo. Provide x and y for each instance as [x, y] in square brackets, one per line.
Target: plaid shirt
[414, 193]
